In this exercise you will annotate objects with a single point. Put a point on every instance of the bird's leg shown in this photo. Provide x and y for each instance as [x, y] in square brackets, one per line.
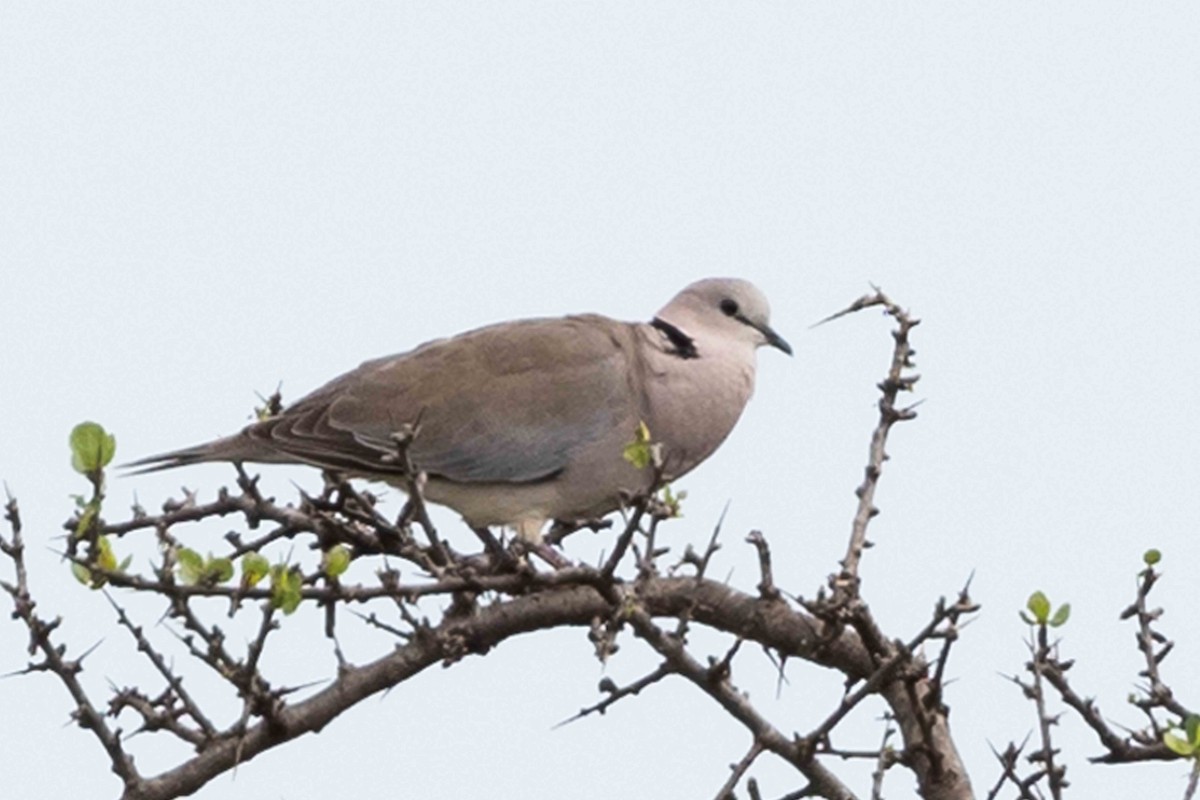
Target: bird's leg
[562, 528]
[551, 556]
[529, 537]
[500, 557]
[543, 550]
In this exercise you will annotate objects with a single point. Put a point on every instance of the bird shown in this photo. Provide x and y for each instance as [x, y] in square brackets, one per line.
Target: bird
[522, 423]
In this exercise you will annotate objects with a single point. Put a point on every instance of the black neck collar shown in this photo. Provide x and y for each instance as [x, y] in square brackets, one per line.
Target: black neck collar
[684, 346]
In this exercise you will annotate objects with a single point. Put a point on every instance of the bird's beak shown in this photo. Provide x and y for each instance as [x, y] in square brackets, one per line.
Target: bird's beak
[774, 339]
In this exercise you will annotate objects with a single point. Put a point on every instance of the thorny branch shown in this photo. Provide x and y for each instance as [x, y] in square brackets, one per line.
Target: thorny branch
[414, 566]
[1121, 745]
[53, 658]
[822, 782]
[898, 379]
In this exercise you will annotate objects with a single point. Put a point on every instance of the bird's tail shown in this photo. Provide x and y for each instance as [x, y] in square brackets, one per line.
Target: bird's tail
[236, 448]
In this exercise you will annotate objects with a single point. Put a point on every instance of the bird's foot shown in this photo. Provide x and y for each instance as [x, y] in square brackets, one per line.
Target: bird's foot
[547, 553]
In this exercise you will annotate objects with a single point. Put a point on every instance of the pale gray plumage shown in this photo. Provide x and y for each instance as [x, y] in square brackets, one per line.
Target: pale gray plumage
[526, 421]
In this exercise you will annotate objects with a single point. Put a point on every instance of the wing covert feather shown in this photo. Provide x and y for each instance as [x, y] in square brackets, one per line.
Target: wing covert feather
[508, 403]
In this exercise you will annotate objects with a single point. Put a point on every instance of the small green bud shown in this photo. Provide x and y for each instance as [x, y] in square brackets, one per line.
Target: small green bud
[286, 584]
[92, 448]
[639, 452]
[254, 568]
[189, 565]
[1039, 607]
[1061, 616]
[336, 561]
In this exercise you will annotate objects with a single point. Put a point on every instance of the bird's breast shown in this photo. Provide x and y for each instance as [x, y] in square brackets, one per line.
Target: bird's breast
[693, 405]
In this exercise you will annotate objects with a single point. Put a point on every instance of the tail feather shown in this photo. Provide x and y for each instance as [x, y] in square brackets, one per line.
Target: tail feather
[232, 448]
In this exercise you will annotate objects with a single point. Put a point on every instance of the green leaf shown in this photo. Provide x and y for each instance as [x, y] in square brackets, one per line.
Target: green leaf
[285, 588]
[190, 566]
[81, 573]
[86, 519]
[673, 502]
[1191, 727]
[1178, 746]
[638, 451]
[106, 559]
[254, 568]
[92, 448]
[1028, 620]
[336, 561]
[1039, 606]
[1061, 616]
[195, 569]
[217, 570]
[1152, 557]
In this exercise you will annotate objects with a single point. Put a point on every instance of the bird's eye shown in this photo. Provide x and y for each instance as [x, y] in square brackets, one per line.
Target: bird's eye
[729, 307]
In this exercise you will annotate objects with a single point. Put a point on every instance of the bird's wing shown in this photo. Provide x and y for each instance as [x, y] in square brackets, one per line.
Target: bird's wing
[508, 403]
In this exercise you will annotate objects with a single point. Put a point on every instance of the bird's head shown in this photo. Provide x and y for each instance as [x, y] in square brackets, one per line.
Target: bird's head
[726, 310]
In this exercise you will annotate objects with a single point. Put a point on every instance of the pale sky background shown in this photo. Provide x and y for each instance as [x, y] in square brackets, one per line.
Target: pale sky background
[200, 201]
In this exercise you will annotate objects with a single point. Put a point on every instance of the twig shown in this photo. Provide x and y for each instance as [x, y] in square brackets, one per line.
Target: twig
[174, 682]
[54, 656]
[823, 781]
[414, 486]
[1154, 646]
[1008, 763]
[738, 770]
[895, 382]
[884, 673]
[616, 694]
[885, 760]
[766, 586]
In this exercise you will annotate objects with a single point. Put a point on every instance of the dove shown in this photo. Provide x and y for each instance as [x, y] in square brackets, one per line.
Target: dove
[524, 422]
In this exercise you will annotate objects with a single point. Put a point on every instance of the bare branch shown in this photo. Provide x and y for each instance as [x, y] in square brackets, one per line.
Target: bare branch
[766, 586]
[174, 682]
[738, 770]
[886, 759]
[895, 382]
[769, 738]
[54, 658]
[615, 693]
